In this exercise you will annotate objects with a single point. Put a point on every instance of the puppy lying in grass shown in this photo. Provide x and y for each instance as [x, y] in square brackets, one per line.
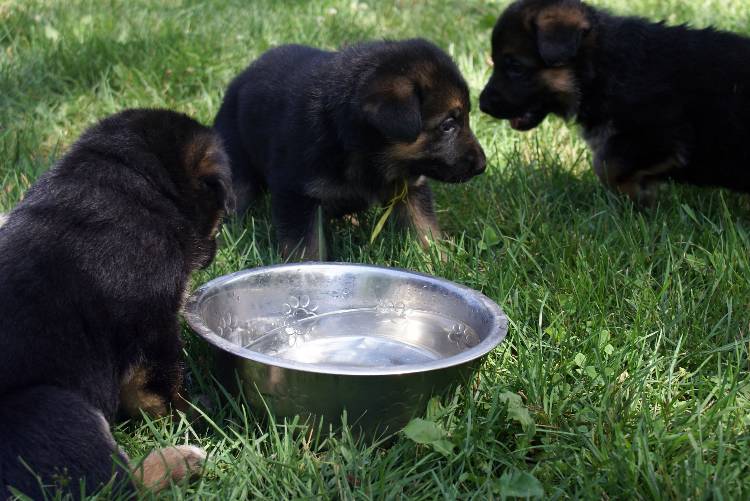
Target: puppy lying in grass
[94, 266]
[655, 102]
[332, 133]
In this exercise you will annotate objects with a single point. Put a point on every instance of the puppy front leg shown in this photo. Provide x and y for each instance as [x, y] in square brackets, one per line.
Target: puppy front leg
[153, 385]
[299, 222]
[632, 165]
[143, 391]
[418, 213]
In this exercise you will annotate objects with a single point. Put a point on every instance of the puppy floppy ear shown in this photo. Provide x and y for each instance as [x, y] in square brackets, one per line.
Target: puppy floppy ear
[392, 106]
[559, 32]
[220, 187]
[211, 169]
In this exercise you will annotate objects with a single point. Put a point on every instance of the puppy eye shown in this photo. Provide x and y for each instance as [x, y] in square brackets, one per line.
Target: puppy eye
[448, 125]
[513, 67]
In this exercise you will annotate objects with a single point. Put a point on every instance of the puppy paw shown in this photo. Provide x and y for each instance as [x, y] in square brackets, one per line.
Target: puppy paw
[170, 465]
[352, 219]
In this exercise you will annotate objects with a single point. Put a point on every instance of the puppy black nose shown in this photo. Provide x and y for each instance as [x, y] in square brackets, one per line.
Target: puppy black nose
[476, 161]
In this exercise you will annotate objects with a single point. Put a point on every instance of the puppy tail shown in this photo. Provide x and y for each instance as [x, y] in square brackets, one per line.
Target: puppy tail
[53, 441]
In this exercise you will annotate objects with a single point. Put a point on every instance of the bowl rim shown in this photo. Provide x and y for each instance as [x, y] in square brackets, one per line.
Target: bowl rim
[496, 336]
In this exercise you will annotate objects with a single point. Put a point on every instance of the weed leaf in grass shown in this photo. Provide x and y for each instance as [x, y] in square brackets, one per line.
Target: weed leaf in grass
[429, 433]
[398, 198]
[519, 484]
[518, 412]
[381, 223]
[580, 360]
[51, 33]
[490, 239]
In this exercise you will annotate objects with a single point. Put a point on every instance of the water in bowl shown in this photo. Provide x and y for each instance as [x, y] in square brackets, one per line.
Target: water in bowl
[363, 338]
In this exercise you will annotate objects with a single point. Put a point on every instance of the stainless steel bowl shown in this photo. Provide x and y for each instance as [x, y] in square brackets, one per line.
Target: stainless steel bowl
[317, 339]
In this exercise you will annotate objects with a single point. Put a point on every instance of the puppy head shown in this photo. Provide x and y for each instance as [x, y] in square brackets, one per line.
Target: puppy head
[418, 104]
[537, 47]
[194, 173]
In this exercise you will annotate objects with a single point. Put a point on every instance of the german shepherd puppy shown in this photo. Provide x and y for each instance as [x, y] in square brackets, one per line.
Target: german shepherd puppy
[94, 266]
[655, 102]
[345, 130]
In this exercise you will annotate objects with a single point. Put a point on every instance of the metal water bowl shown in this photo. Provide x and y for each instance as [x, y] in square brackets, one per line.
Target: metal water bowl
[319, 339]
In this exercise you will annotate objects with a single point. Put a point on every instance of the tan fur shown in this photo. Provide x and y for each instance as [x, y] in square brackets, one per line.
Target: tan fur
[637, 186]
[426, 227]
[424, 74]
[397, 88]
[205, 157]
[408, 151]
[456, 103]
[412, 213]
[401, 88]
[561, 14]
[134, 397]
[559, 80]
[207, 164]
[216, 227]
[169, 465]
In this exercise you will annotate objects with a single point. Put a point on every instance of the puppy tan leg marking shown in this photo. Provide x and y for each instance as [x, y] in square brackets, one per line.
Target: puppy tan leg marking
[312, 246]
[424, 223]
[637, 185]
[611, 175]
[134, 397]
[352, 219]
[417, 211]
[169, 465]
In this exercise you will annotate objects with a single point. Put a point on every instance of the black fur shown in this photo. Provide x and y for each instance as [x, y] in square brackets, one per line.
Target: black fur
[94, 264]
[344, 130]
[655, 102]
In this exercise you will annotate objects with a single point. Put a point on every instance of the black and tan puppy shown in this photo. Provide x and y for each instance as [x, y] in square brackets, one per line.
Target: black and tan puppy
[345, 130]
[94, 266]
[655, 102]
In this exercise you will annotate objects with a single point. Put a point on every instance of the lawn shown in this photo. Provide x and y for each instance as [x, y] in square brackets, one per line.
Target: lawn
[625, 374]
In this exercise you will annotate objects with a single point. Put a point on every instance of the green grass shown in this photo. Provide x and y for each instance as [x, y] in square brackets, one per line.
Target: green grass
[630, 331]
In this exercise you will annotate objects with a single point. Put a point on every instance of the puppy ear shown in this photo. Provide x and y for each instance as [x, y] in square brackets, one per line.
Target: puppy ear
[220, 187]
[210, 167]
[392, 106]
[559, 32]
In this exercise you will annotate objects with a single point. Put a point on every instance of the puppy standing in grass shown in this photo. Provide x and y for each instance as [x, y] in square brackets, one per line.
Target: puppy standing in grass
[655, 102]
[345, 130]
[94, 266]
